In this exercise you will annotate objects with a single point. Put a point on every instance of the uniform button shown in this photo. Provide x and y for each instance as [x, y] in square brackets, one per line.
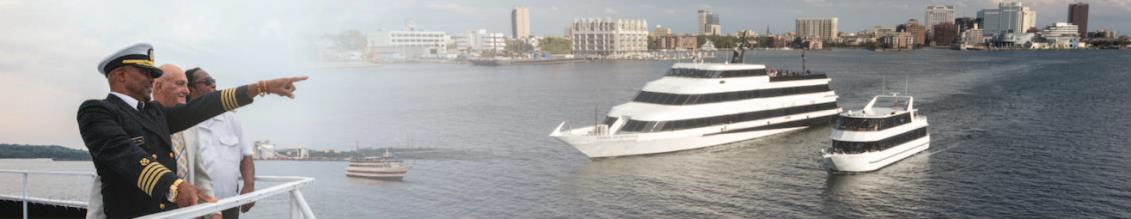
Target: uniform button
[154, 156]
[162, 206]
[170, 154]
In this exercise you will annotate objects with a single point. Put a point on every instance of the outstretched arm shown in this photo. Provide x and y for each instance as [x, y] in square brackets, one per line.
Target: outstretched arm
[210, 105]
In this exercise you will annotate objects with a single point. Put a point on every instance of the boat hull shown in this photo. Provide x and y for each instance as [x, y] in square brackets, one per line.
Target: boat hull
[871, 161]
[663, 142]
[634, 147]
[383, 173]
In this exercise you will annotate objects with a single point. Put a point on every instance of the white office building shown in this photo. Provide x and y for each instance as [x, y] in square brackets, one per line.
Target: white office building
[1061, 36]
[937, 14]
[608, 38]
[1009, 17]
[479, 41]
[823, 28]
[409, 44]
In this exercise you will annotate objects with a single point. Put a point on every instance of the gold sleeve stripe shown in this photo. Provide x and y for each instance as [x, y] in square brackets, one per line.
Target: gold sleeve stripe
[228, 98]
[141, 182]
[153, 183]
[232, 98]
[232, 104]
[224, 99]
[150, 175]
[152, 180]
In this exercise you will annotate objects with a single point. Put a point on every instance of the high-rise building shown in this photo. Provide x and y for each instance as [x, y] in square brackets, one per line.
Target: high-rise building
[964, 23]
[520, 22]
[937, 14]
[1009, 17]
[609, 38]
[1061, 36]
[918, 32]
[660, 31]
[824, 28]
[1078, 15]
[708, 23]
[702, 24]
[943, 34]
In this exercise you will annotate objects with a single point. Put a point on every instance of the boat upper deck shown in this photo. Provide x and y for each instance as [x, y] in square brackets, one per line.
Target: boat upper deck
[883, 107]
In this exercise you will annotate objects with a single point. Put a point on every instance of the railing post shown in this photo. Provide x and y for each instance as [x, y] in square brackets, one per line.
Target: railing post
[302, 205]
[25, 194]
[293, 208]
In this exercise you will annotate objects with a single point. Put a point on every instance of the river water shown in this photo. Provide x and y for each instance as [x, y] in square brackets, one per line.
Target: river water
[1016, 134]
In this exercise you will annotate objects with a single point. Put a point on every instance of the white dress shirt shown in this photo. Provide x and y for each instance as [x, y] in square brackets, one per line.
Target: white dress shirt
[127, 98]
[221, 146]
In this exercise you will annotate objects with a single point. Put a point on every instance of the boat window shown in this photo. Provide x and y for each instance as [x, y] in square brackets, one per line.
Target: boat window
[871, 124]
[691, 99]
[744, 73]
[649, 126]
[850, 147]
[697, 73]
[609, 120]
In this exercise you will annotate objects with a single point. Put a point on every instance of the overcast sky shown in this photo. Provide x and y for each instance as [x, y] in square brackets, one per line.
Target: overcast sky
[50, 49]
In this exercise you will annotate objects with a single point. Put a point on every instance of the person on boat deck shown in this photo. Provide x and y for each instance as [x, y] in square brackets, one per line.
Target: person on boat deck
[128, 135]
[171, 89]
[225, 153]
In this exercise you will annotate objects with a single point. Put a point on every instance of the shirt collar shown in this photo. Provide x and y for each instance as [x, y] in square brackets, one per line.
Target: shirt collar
[126, 98]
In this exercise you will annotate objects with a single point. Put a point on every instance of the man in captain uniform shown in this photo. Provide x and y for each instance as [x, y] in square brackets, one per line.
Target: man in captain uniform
[128, 135]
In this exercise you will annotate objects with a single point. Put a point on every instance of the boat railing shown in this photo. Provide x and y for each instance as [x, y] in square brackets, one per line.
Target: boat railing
[25, 194]
[289, 185]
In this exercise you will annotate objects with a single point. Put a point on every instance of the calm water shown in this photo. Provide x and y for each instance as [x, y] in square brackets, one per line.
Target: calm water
[1020, 134]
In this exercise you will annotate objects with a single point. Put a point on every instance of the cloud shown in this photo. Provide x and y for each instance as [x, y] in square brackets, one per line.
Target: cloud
[611, 11]
[450, 7]
[4, 3]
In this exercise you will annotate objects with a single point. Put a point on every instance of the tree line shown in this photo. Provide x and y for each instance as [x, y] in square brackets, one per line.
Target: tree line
[10, 151]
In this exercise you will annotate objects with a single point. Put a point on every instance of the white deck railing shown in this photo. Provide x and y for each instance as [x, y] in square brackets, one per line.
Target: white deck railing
[289, 185]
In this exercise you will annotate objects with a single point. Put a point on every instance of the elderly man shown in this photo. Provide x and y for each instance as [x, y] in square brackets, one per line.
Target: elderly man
[225, 153]
[128, 136]
[171, 89]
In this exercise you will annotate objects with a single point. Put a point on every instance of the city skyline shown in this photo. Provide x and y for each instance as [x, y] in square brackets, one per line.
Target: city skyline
[549, 18]
[51, 47]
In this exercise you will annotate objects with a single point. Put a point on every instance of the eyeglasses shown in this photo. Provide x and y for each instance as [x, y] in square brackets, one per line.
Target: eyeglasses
[207, 81]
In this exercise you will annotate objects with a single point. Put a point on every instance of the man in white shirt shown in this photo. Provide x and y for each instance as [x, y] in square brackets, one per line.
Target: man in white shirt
[224, 152]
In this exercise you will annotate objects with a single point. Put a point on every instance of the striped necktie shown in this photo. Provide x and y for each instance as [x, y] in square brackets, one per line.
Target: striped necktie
[181, 154]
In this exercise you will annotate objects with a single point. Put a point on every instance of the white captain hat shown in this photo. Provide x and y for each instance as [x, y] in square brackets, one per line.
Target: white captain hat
[140, 55]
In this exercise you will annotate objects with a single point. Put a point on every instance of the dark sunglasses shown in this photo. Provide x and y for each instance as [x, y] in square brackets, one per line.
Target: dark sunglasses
[207, 82]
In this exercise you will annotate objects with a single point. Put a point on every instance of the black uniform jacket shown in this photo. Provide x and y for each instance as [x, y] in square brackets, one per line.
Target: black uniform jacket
[131, 149]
